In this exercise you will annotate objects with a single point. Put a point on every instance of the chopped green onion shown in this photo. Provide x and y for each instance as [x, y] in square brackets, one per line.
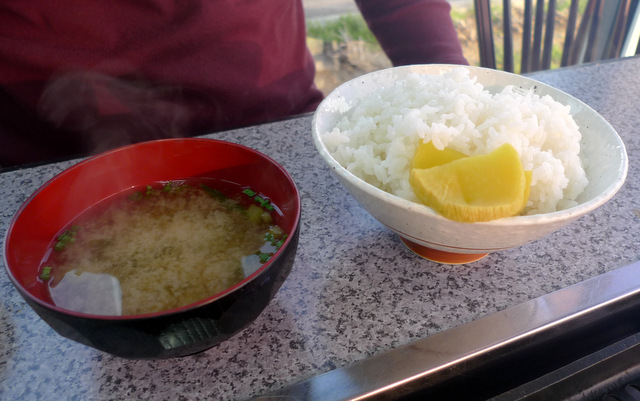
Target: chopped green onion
[46, 273]
[213, 192]
[66, 238]
[268, 237]
[281, 242]
[265, 203]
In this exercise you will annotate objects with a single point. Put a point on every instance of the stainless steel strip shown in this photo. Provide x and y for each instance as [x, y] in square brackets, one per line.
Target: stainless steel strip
[417, 361]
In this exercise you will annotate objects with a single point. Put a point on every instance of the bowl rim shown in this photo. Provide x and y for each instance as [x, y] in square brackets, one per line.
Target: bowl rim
[168, 312]
[529, 220]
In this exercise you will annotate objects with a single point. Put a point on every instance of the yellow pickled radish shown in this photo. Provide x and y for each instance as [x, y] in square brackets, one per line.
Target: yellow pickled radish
[427, 156]
[474, 188]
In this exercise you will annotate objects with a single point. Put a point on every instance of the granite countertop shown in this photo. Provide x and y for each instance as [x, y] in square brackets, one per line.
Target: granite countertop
[354, 291]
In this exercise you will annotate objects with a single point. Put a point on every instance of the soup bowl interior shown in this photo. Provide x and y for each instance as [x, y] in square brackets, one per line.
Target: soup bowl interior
[435, 237]
[180, 331]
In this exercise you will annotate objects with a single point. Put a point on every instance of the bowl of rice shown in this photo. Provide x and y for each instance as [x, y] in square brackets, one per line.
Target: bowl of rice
[368, 130]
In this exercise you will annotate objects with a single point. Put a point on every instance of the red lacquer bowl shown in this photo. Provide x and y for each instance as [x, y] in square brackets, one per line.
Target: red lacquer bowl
[181, 331]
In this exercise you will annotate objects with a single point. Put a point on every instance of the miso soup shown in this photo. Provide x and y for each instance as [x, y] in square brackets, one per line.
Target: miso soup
[161, 247]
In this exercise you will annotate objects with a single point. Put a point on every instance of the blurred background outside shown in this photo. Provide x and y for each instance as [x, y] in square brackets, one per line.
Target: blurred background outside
[344, 48]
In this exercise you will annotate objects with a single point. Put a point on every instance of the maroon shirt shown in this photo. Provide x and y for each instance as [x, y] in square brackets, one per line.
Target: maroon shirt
[87, 76]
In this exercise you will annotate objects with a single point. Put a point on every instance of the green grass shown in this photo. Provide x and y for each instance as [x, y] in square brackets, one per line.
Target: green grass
[461, 14]
[347, 27]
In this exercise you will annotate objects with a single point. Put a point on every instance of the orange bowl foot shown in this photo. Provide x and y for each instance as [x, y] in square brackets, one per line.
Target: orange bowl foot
[445, 257]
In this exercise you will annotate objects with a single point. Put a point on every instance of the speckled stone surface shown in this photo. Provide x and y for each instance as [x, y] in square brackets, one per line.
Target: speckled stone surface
[354, 291]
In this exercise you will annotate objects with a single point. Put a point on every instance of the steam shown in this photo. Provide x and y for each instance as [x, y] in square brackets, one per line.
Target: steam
[104, 112]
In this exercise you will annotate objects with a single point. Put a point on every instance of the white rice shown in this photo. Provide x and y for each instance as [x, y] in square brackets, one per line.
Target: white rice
[377, 139]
